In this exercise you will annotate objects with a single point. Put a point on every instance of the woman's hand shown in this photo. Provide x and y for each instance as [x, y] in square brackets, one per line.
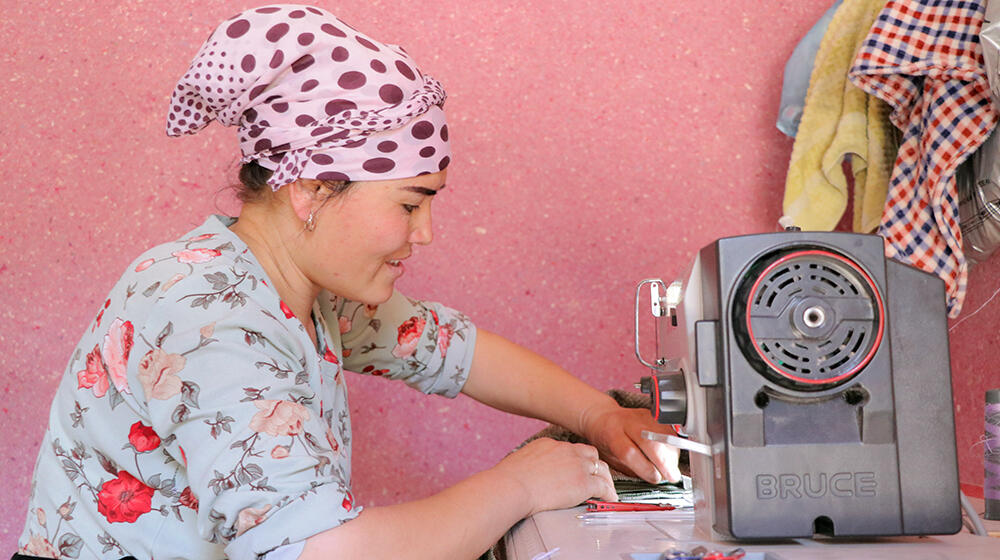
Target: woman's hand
[617, 433]
[462, 521]
[558, 474]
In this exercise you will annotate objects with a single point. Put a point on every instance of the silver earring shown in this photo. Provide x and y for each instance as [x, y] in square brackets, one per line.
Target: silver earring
[311, 222]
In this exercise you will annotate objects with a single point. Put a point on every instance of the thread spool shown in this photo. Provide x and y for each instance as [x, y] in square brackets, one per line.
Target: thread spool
[991, 458]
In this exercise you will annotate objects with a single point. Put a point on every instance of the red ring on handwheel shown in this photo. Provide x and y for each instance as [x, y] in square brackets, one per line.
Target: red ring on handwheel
[655, 382]
[871, 286]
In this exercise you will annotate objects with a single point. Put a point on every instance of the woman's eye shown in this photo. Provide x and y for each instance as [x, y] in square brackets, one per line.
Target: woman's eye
[410, 208]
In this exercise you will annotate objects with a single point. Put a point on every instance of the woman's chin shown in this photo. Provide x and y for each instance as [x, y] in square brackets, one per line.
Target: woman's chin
[375, 296]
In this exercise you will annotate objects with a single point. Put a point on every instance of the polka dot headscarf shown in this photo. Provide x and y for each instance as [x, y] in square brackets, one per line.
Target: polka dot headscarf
[314, 98]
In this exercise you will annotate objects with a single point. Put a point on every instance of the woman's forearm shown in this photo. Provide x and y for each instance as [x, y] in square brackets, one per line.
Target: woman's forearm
[458, 523]
[512, 378]
[463, 521]
[515, 379]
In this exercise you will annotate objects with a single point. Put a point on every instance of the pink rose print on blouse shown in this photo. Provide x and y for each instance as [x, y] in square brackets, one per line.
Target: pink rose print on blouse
[444, 338]
[279, 452]
[124, 499]
[279, 418]
[116, 348]
[330, 356]
[39, 546]
[170, 283]
[158, 374]
[65, 509]
[188, 499]
[408, 337]
[332, 440]
[144, 265]
[287, 310]
[94, 377]
[100, 315]
[250, 518]
[370, 370]
[143, 438]
[345, 324]
[348, 502]
[208, 330]
[196, 256]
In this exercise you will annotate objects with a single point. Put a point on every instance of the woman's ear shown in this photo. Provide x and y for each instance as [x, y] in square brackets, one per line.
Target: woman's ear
[304, 196]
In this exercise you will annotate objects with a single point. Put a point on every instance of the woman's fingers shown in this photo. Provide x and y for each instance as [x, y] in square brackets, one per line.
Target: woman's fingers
[586, 451]
[662, 457]
[559, 474]
[629, 459]
[651, 455]
[618, 432]
[604, 488]
[598, 472]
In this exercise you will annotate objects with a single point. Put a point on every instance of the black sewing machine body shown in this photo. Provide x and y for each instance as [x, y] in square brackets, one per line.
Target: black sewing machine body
[817, 372]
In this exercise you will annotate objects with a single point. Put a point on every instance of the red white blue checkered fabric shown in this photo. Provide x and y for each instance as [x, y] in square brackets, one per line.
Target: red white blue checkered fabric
[923, 58]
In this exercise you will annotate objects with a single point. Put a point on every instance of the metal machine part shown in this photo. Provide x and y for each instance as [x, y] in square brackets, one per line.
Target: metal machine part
[669, 397]
[811, 319]
[815, 375]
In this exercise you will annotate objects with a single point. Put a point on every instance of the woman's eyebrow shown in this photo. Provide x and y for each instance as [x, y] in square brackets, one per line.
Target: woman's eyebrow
[423, 190]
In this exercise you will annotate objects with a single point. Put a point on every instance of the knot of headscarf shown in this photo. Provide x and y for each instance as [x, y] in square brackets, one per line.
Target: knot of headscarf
[314, 98]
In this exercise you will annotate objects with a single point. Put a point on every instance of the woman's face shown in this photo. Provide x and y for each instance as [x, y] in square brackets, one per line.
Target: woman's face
[363, 236]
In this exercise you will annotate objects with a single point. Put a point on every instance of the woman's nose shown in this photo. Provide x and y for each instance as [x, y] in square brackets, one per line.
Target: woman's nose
[422, 233]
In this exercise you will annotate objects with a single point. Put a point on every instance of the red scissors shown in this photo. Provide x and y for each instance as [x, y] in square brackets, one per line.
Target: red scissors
[598, 505]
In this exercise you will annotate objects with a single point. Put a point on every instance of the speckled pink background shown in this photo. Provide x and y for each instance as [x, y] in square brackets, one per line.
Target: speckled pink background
[596, 143]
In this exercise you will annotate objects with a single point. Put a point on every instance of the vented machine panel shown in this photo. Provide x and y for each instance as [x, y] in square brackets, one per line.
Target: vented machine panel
[812, 374]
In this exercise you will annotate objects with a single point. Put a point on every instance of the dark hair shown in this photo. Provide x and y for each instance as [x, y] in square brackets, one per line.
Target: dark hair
[253, 183]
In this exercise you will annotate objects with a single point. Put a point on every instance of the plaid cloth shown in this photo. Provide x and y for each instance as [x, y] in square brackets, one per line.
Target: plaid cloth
[923, 58]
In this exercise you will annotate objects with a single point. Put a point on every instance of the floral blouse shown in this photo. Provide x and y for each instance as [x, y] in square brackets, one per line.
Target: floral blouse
[197, 419]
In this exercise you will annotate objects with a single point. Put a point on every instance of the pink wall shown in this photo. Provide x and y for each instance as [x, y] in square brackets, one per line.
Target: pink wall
[596, 143]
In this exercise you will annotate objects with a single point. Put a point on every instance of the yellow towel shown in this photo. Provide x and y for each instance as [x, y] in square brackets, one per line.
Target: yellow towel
[840, 121]
[883, 144]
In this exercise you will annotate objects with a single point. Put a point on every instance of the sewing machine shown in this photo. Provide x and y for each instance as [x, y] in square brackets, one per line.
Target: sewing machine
[811, 377]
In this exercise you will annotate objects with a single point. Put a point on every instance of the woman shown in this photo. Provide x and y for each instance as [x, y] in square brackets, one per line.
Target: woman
[204, 412]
